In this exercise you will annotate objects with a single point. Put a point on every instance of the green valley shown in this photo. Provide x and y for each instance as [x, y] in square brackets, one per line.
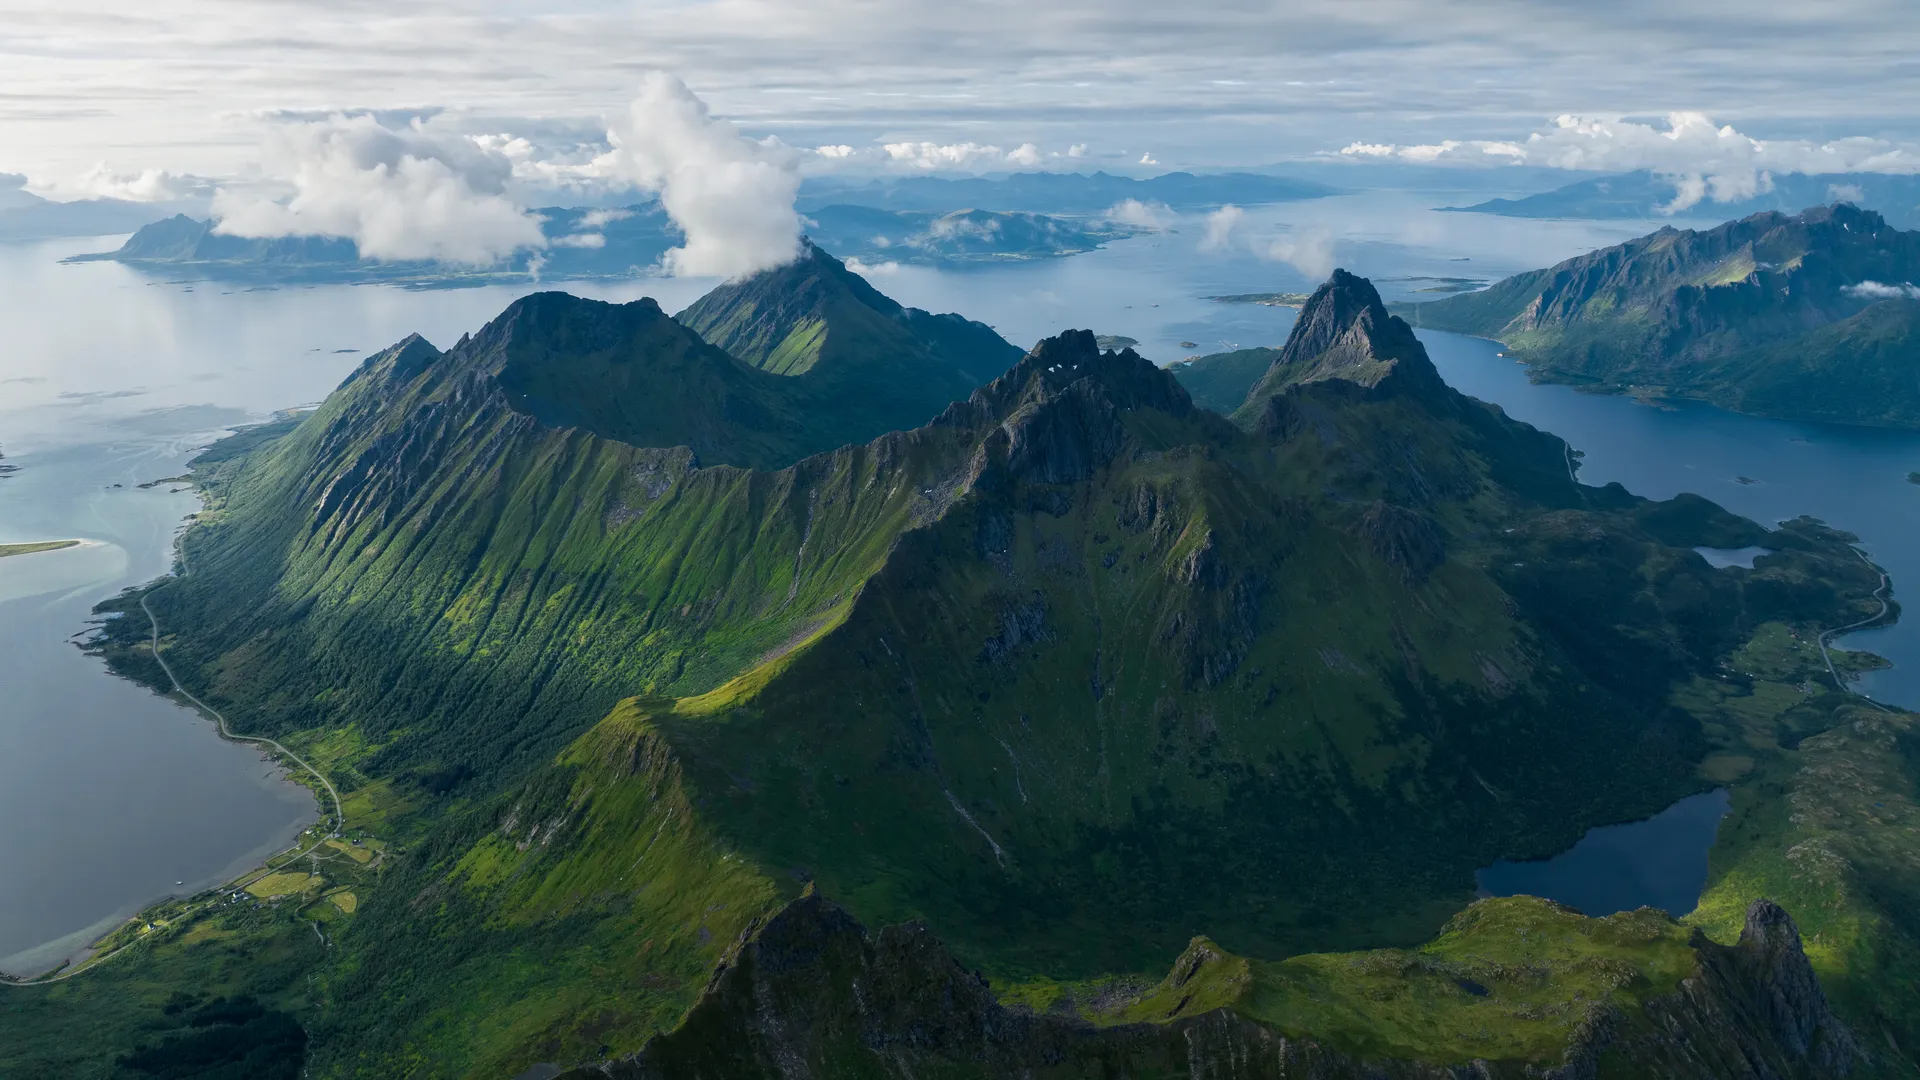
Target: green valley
[1155, 721]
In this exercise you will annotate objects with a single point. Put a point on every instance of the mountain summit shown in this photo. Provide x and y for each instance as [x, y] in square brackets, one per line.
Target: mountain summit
[1344, 332]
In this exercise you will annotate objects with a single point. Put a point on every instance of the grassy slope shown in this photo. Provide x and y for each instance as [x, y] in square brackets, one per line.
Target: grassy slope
[1220, 381]
[1153, 630]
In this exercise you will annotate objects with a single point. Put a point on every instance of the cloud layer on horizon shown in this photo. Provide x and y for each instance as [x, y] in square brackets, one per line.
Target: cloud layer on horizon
[184, 85]
[1705, 160]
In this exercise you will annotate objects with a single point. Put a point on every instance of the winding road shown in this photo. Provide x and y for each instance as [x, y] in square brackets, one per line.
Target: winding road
[1879, 594]
[339, 814]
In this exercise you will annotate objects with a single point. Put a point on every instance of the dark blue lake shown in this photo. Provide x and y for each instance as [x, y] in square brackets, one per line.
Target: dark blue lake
[1660, 862]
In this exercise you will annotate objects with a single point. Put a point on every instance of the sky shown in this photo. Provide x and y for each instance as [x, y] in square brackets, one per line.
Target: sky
[359, 109]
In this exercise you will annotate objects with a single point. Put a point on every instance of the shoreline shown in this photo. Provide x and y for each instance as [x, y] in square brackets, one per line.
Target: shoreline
[273, 855]
[35, 547]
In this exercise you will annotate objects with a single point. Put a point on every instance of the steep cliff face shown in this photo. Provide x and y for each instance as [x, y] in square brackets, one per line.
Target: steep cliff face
[808, 993]
[1782, 315]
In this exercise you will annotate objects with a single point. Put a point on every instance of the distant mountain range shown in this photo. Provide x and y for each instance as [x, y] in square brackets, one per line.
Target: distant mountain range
[589, 244]
[1063, 193]
[26, 216]
[658, 654]
[1647, 195]
[1812, 316]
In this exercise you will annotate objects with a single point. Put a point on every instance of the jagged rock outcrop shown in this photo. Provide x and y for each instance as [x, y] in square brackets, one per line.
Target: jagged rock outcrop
[810, 994]
[1345, 334]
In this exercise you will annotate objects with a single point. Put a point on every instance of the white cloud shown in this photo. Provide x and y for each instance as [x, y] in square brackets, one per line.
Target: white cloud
[147, 185]
[1845, 193]
[1221, 225]
[836, 152]
[930, 156]
[1148, 159]
[867, 269]
[1155, 215]
[1704, 161]
[1026, 154]
[580, 240]
[732, 197]
[600, 219]
[1874, 290]
[398, 194]
[1310, 252]
[1078, 149]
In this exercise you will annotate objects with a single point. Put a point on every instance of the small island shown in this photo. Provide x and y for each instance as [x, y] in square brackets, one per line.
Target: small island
[34, 548]
[1913, 478]
[1268, 299]
[1115, 342]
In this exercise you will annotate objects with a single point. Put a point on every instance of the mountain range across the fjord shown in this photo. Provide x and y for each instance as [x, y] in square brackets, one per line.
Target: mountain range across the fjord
[1809, 316]
[805, 685]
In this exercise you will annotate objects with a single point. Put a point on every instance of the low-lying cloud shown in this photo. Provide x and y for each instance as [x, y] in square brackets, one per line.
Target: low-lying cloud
[1143, 215]
[1705, 161]
[398, 194]
[1310, 250]
[1875, 290]
[731, 196]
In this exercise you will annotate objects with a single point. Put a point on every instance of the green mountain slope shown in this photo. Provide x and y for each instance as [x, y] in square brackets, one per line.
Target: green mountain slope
[1071, 673]
[1802, 317]
[1220, 381]
[816, 316]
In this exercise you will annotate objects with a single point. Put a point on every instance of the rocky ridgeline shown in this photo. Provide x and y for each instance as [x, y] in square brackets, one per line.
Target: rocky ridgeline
[810, 994]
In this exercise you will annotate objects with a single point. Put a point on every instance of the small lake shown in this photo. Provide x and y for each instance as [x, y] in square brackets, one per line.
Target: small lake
[1660, 862]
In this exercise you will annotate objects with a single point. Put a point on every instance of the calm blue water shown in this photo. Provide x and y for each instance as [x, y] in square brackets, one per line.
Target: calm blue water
[1660, 862]
[1851, 478]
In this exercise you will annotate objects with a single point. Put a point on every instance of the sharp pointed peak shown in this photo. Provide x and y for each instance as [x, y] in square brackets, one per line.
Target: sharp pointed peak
[1345, 333]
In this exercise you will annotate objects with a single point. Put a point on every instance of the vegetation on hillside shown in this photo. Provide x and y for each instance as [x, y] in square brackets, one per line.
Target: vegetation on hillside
[1805, 317]
[1074, 656]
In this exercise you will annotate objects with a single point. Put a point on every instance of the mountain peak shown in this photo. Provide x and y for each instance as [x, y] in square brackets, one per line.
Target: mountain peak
[1345, 333]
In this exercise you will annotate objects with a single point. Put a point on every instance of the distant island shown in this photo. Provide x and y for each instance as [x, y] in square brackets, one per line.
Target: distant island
[1269, 299]
[35, 548]
[1812, 316]
[1115, 341]
[585, 244]
[1062, 193]
[1646, 194]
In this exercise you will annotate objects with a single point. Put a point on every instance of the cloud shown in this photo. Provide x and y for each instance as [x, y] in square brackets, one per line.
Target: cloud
[1078, 149]
[865, 268]
[1026, 154]
[1155, 215]
[1148, 159]
[1874, 290]
[835, 152]
[1221, 225]
[600, 219]
[731, 197]
[1704, 161]
[1845, 193]
[147, 185]
[930, 156]
[580, 240]
[398, 194]
[1310, 252]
